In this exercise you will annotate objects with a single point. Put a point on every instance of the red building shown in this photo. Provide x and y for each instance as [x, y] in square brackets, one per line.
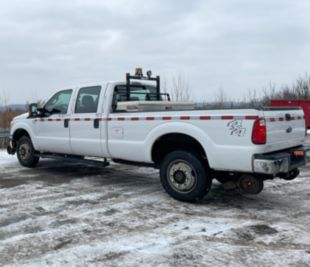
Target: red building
[304, 104]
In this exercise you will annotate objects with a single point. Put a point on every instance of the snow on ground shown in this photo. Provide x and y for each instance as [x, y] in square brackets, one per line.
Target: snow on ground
[67, 214]
[5, 158]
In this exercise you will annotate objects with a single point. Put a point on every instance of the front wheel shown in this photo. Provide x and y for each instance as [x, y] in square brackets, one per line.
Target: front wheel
[26, 153]
[184, 176]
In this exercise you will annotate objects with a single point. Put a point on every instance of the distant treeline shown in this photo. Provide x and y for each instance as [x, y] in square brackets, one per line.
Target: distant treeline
[299, 90]
[6, 117]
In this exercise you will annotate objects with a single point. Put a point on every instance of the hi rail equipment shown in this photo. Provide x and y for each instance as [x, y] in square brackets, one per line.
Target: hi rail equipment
[139, 76]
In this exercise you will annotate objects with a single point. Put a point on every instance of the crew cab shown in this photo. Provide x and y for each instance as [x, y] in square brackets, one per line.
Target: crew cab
[132, 122]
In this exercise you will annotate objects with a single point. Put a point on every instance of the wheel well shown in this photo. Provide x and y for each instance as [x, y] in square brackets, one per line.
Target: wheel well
[171, 142]
[19, 133]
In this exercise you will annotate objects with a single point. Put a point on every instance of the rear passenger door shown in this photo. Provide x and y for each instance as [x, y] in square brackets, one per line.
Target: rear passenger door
[85, 132]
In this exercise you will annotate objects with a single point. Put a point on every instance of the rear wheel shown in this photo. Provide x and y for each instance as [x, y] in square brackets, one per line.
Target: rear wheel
[184, 176]
[26, 153]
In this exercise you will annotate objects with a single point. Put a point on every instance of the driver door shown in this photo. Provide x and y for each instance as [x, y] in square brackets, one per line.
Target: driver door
[52, 132]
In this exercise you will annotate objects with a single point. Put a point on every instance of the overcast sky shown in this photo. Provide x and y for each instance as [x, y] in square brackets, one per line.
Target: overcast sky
[230, 44]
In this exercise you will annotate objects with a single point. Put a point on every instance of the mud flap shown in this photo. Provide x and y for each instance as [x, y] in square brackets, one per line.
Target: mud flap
[11, 150]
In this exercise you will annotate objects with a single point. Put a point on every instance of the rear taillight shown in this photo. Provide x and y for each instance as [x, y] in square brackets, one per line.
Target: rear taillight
[259, 134]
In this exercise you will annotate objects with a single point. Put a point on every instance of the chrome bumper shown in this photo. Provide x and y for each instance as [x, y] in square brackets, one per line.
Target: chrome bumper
[280, 163]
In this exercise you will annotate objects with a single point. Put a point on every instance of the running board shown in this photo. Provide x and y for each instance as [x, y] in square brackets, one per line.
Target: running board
[75, 159]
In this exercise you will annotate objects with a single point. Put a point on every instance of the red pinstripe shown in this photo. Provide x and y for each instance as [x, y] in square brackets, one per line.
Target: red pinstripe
[185, 118]
[227, 117]
[205, 118]
[251, 117]
[166, 118]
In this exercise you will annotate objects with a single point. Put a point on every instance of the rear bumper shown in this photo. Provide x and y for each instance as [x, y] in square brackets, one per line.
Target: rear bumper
[280, 163]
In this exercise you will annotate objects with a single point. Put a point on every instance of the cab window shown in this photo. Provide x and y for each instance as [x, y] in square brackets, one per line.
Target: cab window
[88, 99]
[59, 103]
[137, 93]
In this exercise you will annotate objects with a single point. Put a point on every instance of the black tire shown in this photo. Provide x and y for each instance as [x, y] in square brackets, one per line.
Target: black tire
[26, 153]
[184, 176]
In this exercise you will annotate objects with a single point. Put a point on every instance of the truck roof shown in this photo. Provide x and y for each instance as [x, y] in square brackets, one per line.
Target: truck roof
[88, 84]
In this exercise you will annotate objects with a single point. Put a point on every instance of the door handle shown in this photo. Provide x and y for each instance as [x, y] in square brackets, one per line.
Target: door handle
[96, 123]
[288, 117]
[66, 123]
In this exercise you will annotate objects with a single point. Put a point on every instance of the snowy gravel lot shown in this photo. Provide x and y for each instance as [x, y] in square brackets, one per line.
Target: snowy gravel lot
[63, 214]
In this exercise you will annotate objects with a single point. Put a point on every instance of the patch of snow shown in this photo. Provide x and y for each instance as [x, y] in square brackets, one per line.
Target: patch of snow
[5, 158]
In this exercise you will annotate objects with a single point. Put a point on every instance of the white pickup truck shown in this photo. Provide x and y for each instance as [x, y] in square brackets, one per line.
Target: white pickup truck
[131, 122]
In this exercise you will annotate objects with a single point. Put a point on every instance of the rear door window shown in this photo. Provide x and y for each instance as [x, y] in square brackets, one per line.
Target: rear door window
[88, 99]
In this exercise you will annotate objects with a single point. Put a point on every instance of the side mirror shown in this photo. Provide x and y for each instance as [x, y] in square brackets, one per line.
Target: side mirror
[33, 110]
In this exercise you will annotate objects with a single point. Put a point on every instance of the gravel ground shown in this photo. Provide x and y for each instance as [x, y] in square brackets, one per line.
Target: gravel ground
[64, 214]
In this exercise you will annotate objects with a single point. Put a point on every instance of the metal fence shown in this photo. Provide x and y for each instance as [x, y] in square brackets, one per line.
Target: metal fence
[4, 133]
[4, 138]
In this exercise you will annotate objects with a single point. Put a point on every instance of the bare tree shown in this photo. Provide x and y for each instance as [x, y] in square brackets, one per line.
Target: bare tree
[221, 97]
[268, 94]
[299, 90]
[180, 89]
[5, 112]
[5, 117]
[252, 99]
